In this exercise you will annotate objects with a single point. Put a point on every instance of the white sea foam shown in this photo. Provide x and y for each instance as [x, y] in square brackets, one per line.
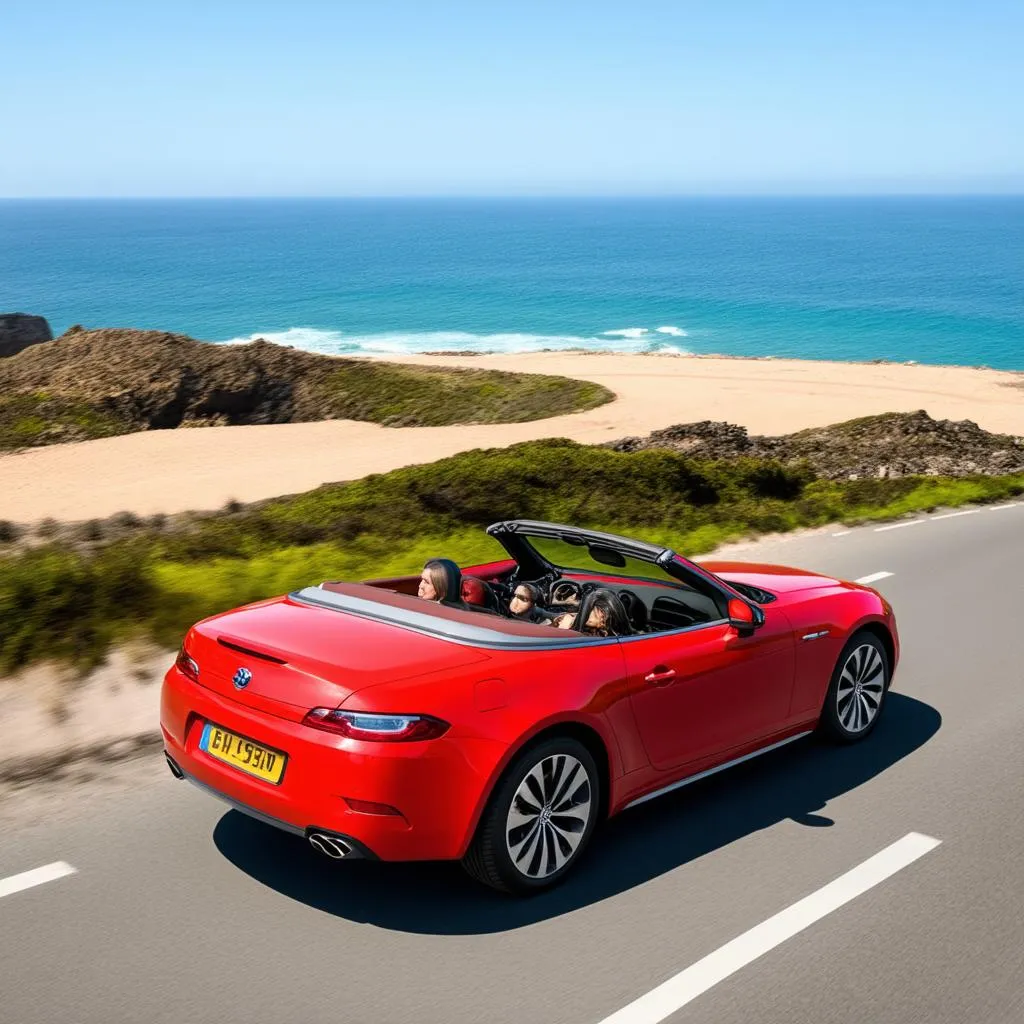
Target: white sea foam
[308, 338]
[676, 332]
[625, 332]
[311, 339]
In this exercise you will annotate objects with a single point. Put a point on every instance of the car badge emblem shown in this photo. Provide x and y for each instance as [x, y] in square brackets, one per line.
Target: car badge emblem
[241, 678]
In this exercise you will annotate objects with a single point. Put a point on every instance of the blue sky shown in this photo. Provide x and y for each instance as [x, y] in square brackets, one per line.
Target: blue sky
[494, 98]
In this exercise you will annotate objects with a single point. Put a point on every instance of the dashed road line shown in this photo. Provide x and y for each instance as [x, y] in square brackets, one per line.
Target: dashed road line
[37, 876]
[873, 577]
[945, 515]
[900, 526]
[686, 986]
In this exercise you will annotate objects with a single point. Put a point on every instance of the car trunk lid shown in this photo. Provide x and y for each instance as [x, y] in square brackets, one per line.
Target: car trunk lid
[296, 656]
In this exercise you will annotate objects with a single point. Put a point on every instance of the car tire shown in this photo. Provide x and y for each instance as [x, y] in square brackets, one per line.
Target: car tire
[539, 819]
[857, 691]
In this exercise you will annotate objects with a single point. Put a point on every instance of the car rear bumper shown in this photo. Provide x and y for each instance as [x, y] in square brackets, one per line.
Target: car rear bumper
[354, 850]
[435, 785]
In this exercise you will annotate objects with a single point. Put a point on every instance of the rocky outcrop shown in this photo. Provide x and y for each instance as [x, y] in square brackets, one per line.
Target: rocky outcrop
[156, 380]
[20, 330]
[889, 445]
[97, 383]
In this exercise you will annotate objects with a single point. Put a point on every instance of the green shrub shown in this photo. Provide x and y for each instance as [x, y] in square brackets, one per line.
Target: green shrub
[419, 396]
[55, 603]
[31, 419]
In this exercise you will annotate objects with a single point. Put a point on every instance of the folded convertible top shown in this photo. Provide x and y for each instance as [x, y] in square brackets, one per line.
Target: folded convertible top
[455, 624]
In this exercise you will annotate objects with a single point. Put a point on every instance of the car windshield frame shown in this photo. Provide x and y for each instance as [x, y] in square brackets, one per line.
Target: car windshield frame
[517, 536]
[635, 569]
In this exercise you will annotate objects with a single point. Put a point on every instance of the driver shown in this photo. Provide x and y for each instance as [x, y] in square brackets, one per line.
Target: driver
[524, 604]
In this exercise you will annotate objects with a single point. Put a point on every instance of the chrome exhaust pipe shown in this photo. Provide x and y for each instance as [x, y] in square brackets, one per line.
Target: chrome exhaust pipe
[175, 770]
[330, 846]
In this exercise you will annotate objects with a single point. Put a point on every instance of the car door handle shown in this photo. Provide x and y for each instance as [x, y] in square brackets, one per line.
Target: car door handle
[660, 675]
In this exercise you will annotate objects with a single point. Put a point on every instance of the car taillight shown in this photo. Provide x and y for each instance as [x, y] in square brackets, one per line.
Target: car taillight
[187, 666]
[359, 725]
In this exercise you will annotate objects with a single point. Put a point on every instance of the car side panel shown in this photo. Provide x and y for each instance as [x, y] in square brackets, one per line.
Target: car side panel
[726, 689]
[649, 780]
[837, 613]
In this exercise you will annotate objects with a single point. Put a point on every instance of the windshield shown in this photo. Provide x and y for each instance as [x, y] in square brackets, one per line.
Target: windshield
[579, 557]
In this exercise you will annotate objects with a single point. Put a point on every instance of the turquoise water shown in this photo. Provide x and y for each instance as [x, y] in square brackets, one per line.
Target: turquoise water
[936, 280]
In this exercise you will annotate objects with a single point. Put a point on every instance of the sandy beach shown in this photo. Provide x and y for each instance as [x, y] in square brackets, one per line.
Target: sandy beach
[176, 470]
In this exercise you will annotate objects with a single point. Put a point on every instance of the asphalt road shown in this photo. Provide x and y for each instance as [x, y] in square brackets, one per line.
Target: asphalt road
[181, 910]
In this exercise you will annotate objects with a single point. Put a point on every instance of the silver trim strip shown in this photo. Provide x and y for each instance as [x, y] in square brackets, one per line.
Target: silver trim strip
[712, 771]
[671, 632]
[470, 634]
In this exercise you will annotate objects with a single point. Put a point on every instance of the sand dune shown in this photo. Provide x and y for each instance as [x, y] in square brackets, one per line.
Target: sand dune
[175, 470]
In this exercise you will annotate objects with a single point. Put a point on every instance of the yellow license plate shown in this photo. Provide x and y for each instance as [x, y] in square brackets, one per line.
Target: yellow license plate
[243, 754]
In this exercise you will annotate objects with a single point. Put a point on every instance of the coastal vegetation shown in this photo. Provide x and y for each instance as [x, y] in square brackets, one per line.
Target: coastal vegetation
[90, 384]
[72, 596]
[32, 418]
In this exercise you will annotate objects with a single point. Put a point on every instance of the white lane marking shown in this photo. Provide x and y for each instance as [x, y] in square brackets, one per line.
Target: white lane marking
[873, 577]
[841, 533]
[953, 515]
[675, 993]
[37, 876]
[999, 508]
[899, 526]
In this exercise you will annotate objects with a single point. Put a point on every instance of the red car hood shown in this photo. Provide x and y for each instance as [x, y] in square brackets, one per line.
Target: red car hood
[301, 657]
[779, 579]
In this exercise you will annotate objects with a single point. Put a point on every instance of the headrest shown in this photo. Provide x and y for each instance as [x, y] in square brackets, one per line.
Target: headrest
[474, 591]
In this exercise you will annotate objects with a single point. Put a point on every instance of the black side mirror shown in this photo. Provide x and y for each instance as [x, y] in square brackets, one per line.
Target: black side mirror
[744, 618]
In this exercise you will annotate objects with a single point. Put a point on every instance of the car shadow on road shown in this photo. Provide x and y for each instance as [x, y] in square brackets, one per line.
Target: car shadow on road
[794, 782]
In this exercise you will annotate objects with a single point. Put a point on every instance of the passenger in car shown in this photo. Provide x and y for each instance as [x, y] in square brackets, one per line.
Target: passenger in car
[601, 614]
[524, 604]
[441, 580]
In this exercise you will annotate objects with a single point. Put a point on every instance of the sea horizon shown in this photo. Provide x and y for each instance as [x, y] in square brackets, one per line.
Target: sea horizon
[924, 278]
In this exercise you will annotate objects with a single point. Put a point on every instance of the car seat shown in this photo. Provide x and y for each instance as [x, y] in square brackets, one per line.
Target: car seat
[636, 611]
[477, 595]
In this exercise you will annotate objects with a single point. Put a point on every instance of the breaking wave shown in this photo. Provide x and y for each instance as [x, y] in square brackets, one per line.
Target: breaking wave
[311, 339]
[625, 332]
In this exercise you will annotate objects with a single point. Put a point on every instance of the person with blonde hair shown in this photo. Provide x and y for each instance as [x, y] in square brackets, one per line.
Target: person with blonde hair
[441, 581]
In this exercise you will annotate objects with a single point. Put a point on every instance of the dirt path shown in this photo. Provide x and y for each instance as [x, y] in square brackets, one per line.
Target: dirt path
[175, 470]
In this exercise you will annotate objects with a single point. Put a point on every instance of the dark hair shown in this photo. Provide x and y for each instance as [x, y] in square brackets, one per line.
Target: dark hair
[531, 588]
[616, 619]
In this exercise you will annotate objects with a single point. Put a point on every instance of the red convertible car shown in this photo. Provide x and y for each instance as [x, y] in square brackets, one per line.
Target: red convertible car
[379, 724]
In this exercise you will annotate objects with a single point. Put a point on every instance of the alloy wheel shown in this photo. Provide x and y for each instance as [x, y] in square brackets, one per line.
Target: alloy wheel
[548, 817]
[861, 687]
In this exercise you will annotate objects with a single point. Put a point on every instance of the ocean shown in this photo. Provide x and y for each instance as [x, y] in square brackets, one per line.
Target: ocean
[931, 280]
